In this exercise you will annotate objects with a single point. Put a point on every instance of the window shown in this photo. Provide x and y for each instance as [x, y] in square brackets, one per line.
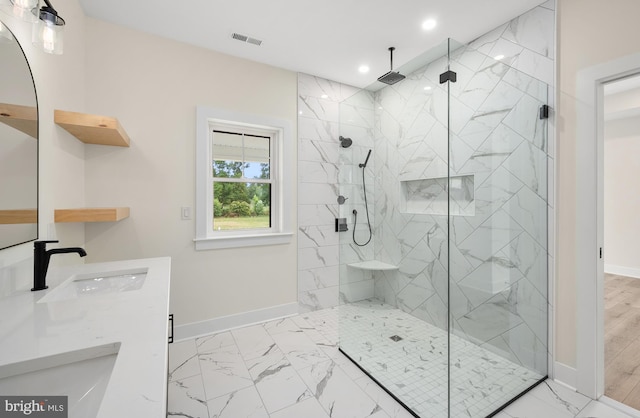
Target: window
[241, 161]
[242, 191]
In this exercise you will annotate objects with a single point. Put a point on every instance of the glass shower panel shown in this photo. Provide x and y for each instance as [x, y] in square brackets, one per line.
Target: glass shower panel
[497, 243]
[393, 309]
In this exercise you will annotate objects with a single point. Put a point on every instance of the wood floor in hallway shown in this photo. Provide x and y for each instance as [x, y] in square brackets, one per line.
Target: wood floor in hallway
[622, 339]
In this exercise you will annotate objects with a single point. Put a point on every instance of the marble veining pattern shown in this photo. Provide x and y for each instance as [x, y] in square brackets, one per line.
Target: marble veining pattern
[327, 110]
[334, 387]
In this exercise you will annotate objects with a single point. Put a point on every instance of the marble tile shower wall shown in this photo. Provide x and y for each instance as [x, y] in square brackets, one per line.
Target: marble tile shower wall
[498, 252]
[322, 166]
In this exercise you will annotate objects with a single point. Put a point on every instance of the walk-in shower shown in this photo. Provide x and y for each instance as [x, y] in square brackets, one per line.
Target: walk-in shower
[445, 306]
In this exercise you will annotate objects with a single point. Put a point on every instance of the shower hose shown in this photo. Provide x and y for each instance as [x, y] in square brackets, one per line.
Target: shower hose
[355, 215]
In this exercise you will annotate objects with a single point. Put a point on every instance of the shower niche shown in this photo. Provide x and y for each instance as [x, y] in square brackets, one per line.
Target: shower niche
[446, 306]
[438, 196]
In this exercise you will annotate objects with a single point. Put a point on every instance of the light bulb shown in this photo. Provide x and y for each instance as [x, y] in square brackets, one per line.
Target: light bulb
[23, 9]
[49, 36]
[25, 4]
[48, 39]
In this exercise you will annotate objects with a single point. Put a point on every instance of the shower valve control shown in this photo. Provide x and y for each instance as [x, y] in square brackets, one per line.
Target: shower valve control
[341, 225]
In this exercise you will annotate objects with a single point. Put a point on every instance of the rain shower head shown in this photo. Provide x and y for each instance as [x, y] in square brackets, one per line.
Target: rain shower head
[345, 142]
[392, 77]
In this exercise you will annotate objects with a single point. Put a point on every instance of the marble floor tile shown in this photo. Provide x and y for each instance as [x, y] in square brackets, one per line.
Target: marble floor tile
[299, 349]
[223, 371]
[253, 341]
[281, 325]
[309, 408]
[595, 409]
[354, 372]
[292, 368]
[215, 341]
[302, 323]
[280, 387]
[532, 407]
[183, 360]
[245, 403]
[317, 337]
[266, 365]
[336, 392]
[186, 398]
[382, 398]
[564, 399]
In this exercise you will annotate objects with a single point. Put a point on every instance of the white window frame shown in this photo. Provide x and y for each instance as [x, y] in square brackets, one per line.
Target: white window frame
[208, 119]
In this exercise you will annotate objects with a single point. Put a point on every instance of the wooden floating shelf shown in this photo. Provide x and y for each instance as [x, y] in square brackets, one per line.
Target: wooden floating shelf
[22, 118]
[93, 129]
[18, 216]
[91, 215]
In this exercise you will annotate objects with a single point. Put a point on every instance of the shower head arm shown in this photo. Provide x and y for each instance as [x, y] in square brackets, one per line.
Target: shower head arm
[391, 49]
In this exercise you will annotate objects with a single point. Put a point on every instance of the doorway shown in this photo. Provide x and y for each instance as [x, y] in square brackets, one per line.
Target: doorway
[589, 377]
[621, 204]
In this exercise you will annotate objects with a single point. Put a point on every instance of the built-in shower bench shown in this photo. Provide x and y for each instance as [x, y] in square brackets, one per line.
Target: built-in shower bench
[373, 265]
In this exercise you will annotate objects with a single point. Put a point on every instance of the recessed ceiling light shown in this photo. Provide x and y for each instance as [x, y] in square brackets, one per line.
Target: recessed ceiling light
[363, 69]
[499, 57]
[429, 24]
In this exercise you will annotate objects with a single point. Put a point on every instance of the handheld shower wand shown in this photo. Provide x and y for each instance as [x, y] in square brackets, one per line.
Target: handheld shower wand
[363, 165]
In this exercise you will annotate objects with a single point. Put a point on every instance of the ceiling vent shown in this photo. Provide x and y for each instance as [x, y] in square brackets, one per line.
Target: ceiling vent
[244, 38]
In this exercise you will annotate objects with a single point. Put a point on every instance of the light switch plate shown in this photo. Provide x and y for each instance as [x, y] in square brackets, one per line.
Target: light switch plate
[186, 213]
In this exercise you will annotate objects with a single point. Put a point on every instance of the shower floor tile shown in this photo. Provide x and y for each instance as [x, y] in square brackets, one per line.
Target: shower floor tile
[410, 357]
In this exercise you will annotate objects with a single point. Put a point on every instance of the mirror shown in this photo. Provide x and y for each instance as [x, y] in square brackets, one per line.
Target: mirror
[18, 145]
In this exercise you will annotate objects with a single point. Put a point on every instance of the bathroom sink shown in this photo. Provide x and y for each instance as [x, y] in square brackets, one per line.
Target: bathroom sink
[94, 284]
[81, 375]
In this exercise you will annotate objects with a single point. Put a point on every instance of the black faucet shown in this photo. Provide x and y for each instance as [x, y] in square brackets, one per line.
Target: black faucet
[41, 259]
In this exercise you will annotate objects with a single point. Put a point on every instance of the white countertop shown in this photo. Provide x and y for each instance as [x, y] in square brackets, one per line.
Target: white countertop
[137, 320]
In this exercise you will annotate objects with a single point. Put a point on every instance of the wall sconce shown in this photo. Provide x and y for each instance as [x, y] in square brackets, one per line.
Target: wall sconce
[48, 30]
[48, 27]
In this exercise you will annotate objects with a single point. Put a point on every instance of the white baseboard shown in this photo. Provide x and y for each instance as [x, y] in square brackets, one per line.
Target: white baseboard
[564, 375]
[223, 323]
[622, 271]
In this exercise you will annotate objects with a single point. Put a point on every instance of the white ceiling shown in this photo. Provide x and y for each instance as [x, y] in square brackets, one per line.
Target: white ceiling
[329, 38]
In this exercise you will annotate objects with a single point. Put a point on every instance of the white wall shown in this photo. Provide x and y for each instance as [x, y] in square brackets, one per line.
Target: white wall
[153, 86]
[59, 83]
[622, 196]
[589, 32]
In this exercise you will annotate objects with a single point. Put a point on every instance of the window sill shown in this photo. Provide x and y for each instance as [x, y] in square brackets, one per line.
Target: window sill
[214, 243]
